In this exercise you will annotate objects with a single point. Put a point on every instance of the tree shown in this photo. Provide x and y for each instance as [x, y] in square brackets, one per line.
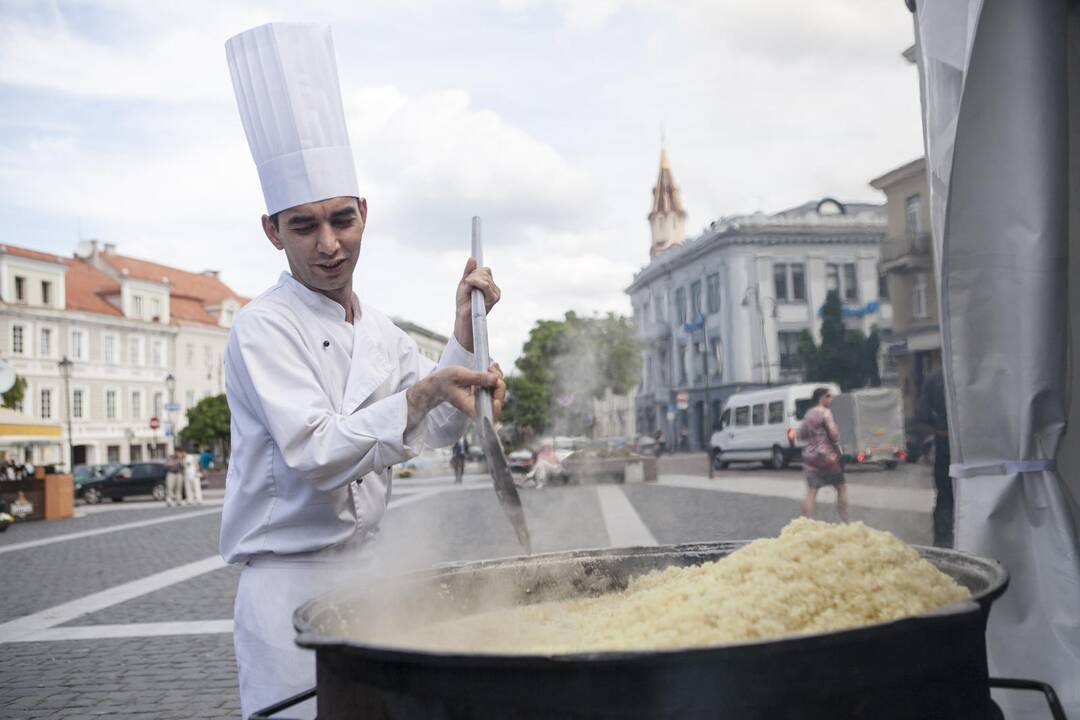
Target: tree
[565, 364]
[846, 357]
[15, 393]
[208, 423]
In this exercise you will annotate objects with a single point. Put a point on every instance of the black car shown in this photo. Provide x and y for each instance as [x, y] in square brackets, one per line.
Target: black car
[141, 478]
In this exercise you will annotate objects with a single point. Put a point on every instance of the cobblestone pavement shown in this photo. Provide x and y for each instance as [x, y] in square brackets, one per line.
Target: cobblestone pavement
[113, 642]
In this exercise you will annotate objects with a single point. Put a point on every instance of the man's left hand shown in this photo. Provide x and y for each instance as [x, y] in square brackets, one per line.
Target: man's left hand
[473, 277]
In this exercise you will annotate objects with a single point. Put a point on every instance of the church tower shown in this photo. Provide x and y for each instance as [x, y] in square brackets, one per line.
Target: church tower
[667, 219]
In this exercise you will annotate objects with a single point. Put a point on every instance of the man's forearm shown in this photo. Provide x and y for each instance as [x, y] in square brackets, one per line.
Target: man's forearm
[463, 330]
[420, 399]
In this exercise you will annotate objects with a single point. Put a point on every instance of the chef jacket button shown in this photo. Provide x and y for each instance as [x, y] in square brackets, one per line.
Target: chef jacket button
[326, 343]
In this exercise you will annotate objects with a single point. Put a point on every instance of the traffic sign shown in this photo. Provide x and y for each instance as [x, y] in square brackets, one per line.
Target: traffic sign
[154, 423]
[682, 400]
[172, 407]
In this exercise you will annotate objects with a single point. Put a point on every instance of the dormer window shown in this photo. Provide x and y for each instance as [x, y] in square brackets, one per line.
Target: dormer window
[46, 292]
[137, 304]
[155, 309]
[20, 289]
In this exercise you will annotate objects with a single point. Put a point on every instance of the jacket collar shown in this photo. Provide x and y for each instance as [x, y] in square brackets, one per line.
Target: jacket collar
[321, 305]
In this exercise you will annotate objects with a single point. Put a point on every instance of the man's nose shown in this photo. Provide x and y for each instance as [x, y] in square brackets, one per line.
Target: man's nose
[326, 242]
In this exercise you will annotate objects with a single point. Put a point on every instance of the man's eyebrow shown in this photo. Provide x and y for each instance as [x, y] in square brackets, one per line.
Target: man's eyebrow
[301, 219]
[343, 213]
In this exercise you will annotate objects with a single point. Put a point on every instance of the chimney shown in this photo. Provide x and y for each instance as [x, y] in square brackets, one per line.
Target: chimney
[211, 273]
[86, 249]
[110, 248]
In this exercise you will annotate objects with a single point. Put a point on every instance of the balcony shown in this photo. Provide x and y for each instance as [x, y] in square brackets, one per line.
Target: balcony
[906, 252]
[651, 331]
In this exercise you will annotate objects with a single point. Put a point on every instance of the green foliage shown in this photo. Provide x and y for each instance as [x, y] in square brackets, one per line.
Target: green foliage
[15, 393]
[208, 422]
[846, 357]
[565, 364]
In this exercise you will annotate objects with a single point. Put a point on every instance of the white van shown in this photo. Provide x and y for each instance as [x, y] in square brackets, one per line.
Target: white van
[762, 425]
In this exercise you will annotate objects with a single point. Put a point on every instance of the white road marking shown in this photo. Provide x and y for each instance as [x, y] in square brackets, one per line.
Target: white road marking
[882, 498]
[625, 527]
[26, 627]
[132, 630]
[102, 531]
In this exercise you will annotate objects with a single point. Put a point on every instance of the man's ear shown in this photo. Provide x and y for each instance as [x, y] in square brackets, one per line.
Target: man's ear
[272, 233]
[363, 209]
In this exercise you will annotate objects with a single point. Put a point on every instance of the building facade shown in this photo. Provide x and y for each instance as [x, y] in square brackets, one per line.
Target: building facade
[430, 343]
[126, 326]
[907, 259]
[723, 311]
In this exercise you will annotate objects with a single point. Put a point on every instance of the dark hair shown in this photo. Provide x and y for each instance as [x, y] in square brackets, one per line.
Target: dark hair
[818, 394]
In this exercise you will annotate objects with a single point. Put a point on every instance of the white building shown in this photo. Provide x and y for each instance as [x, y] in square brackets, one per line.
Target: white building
[126, 325]
[430, 343]
[725, 309]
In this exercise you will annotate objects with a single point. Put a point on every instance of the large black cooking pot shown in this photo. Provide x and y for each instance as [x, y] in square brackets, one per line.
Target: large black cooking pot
[929, 666]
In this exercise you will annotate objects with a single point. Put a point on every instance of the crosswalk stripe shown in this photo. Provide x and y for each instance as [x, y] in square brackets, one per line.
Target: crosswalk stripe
[625, 527]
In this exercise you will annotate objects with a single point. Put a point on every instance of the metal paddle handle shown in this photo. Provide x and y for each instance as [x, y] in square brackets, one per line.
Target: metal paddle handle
[484, 407]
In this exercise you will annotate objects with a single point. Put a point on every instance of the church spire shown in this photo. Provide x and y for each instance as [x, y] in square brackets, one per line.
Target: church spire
[667, 220]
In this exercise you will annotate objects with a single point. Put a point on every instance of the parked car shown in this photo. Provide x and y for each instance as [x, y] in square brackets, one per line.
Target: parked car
[84, 473]
[141, 478]
[520, 460]
[762, 425]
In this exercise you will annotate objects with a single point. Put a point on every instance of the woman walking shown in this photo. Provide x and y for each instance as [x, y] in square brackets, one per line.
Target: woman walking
[821, 454]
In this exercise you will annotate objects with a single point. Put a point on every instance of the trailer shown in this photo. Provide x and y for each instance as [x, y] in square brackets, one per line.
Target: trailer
[871, 423]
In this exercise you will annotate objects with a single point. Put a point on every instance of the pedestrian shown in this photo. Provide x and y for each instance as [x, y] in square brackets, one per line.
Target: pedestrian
[821, 454]
[206, 460]
[192, 479]
[457, 460]
[547, 465]
[658, 440]
[173, 480]
[932, 413]
[325, 392]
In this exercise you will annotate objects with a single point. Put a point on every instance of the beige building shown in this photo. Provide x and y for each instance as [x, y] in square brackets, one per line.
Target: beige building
[430, 343]
[126, 326]
[907, 259]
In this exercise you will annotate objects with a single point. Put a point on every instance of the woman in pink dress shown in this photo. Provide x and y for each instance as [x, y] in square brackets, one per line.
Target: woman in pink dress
[821, 454]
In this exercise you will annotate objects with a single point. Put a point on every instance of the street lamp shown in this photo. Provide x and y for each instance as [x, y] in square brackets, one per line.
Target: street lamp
[170, 385]
[755, 293]
[65, 372]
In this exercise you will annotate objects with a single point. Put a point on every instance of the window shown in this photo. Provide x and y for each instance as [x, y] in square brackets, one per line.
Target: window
[712, 287]
[798, 282]
[46, 292]
[77, 404]
[45, 346]
[135, 351]
[155, 309]
[919, 297]
[78, 345]
[110, 404]
[645, 313]
[156, 359]
[46, 404]
[112, 453]
[108, 349]
[189, 354]
[759, 414]
[658, 309]
[851, 285]
[913, 216]
[157, 404]
[20, 289]
[695, 300]
[788, 342]
[680, 305]
[137, 303]
[776, 412]
[136, 405]
[780, 281]
[682, 364]
[725, 419]
[742, 416]
[189, 398]
[17, 341]
[136, 453]
[882, 285]
[832, 278]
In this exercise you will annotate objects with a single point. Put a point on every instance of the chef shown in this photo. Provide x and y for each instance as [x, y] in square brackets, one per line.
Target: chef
[326, 393]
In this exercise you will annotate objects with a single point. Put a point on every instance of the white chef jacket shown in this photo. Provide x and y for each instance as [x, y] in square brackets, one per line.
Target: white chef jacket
[318, 413]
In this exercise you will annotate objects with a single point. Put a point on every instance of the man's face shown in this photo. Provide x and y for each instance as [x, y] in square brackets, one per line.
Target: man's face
[321, 240]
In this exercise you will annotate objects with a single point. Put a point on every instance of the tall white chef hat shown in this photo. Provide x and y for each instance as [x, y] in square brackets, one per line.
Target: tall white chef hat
[286, 85]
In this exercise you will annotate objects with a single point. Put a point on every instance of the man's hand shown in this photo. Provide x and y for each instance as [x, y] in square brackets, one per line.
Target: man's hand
[473, 277]
[457, 386]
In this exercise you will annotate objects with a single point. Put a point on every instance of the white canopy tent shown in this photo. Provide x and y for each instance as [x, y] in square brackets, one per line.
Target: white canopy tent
[996, 77]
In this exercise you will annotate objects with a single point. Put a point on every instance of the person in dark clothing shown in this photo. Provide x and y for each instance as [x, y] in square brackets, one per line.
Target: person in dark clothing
[932, 412]
[457, 460]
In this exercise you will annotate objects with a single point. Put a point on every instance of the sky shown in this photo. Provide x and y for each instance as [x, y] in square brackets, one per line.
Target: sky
[544, 117]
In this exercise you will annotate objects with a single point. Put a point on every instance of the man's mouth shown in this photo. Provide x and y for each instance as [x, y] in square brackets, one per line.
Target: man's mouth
[332, 265]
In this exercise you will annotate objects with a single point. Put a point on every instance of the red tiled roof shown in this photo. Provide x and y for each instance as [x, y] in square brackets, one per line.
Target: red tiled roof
[87, 287]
